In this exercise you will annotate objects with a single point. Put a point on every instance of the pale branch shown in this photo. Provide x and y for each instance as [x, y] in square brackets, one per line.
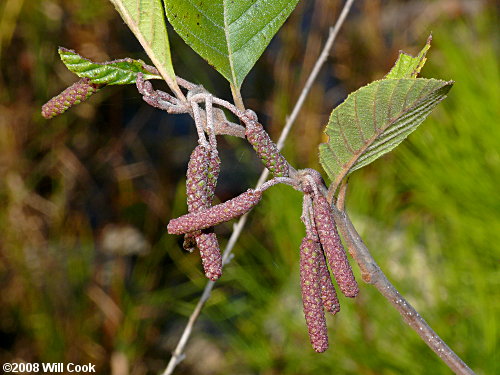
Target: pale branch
[372, 274]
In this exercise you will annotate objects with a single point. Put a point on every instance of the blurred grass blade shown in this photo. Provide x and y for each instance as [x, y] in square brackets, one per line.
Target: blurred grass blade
[146, 20]
[230, 35]
[117, 72]
[408, 66]
[374, 120]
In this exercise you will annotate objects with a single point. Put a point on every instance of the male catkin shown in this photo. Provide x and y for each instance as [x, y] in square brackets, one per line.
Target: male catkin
[311, 295]
[266, 149]
[74, 94]
[332, 246]
[218, 214]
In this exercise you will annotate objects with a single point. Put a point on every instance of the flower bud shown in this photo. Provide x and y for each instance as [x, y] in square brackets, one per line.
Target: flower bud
[74, 94]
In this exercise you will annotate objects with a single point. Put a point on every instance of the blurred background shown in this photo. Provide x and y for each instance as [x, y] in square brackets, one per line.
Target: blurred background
[89, 274]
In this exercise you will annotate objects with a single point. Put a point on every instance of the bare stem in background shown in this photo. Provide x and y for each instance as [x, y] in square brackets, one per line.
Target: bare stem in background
[177, 355]
[314, 72]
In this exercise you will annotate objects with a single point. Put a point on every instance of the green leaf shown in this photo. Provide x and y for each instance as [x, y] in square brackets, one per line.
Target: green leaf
[146, 20]
[408, 66]
[374, 120]
[117, 72]
[230, 35]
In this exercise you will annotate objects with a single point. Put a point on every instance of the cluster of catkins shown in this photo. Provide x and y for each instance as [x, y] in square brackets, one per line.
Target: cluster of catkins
[320, 246]
[201, 179]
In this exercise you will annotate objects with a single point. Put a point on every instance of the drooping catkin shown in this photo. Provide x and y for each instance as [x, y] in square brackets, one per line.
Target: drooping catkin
[74, 94]
[201, 179]
[196, 188]
[197, 179]
[210, 254]
[328, 293]
[266, 149]
[311, 295]
[215, 215]
[332, 246]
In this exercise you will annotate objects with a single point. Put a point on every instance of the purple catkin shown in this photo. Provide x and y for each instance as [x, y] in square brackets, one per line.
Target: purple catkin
[332, 246]
[328, 293]
[212, 175]
[311, 295]
[266, 149]
[201, 178]
[197, 179]
[210, 254]
[74, 94]
[196, 188]
[215, 215]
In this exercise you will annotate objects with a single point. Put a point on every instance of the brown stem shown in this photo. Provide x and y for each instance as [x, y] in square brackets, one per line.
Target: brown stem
[372, 274]
[341, 196]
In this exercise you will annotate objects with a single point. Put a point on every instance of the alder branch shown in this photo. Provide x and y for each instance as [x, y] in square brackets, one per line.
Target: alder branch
[372, 274]
[177, 355]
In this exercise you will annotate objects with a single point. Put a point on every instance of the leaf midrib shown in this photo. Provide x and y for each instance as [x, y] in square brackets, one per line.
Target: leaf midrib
[228, 43]
[347, 166]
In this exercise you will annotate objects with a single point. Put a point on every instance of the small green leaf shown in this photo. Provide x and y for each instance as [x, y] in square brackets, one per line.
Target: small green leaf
[408, 66]
[230, 35]
[374, 120]
[117, 72]
[146, 20]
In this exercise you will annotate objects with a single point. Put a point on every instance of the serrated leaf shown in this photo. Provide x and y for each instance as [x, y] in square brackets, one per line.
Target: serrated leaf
[146, 20]
[116, 72]
[230, 35]
[374, 120]
[407, 66]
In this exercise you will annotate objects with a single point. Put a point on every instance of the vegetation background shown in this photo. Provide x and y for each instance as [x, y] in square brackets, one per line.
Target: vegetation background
[89, 274]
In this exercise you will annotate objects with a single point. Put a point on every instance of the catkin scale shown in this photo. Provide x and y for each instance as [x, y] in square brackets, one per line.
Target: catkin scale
[266, 149]
[332, 246]
[74, 94]
[311, 295]
[215, 215]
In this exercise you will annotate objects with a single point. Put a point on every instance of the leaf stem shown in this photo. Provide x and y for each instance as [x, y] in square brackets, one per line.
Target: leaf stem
[238, 100]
